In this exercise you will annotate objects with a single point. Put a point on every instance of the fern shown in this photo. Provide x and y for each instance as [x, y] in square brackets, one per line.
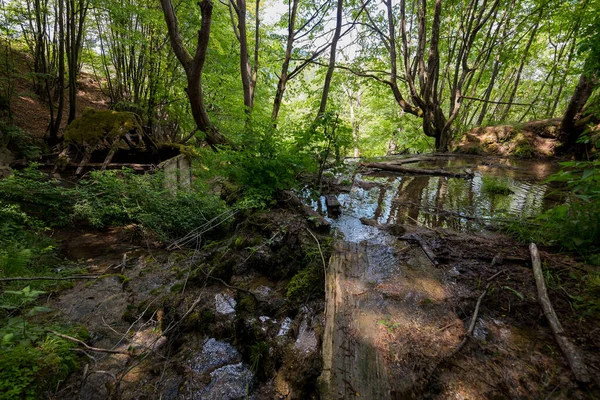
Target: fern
[14, 260]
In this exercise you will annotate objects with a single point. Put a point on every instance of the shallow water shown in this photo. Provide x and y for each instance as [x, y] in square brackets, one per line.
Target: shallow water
[433, 201]
[388, 305]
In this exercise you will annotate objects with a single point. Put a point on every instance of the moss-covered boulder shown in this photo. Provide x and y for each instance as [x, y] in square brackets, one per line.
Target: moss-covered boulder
[95, 126]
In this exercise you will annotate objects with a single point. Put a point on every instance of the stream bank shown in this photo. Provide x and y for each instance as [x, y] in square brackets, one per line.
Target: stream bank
[412, 257]
[245, 317]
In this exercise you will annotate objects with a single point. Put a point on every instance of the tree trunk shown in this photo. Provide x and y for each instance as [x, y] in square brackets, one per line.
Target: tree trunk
[331, 66]
[193, 67]
[569, 131]
[61, 73]
[520, 70]
[283, 78]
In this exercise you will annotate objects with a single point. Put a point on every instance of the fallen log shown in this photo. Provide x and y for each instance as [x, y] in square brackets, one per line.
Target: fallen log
[317, 221]
[571, 352]
[412, 160]
[394, 229]
[413, 237]
[417, 171]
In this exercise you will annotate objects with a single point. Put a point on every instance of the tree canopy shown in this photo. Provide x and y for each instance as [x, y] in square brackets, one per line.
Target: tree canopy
[405, 75]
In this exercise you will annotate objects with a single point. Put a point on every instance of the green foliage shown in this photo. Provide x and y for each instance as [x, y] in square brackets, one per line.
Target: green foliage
[38, 196]
[258, 354]
[122, 197]
[19, 142]
[574, 226]
[495, 186]
[32, 361]
[264, 165]
[326, 138]
[389, 324]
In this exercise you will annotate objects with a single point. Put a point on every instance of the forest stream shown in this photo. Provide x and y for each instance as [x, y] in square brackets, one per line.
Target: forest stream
[395, 286]
[410, 257]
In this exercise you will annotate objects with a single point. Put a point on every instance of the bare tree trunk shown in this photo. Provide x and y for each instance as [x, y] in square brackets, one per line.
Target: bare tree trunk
[569, 131]
[331, 66]
[520, 70]
[283, 78]
[248, 72]
[61, 72]
[193, 67]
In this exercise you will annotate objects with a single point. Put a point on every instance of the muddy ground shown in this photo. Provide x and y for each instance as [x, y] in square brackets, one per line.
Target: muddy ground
[230, 321]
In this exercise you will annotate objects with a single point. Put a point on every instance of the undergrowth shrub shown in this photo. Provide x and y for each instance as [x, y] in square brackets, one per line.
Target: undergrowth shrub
[19, 142]
[122, 197]
[38, 196]
[575, 225]
[32, 362]
[263, 164]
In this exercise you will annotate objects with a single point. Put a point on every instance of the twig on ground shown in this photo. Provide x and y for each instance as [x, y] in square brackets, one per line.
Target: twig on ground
[576, 361]
[49, 278]
[476, 313]
[90, 348]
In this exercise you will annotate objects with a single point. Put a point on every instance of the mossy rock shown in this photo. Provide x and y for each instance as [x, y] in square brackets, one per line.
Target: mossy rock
[96, 125]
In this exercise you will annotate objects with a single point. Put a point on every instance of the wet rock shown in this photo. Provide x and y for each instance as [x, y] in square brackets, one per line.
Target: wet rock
[480, 332]
[215, 354]
[306, 342]
[225, 304]
[286, 324]
[262, 292]
[230, 382]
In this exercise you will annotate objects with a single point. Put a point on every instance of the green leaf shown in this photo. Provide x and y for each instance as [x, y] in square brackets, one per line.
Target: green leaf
[588, 172]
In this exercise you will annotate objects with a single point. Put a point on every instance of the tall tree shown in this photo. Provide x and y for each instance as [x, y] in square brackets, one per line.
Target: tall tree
[193, 67]
[332, 54]
[248, 70]
[76, 16]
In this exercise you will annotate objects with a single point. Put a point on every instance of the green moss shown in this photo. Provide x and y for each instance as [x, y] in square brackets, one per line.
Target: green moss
[246, 305]
[495, 186]
[96, 125]
[176, 287]
[306, 283]
[522, 147]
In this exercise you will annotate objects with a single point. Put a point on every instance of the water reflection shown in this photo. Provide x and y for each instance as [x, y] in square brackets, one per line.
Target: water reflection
[434, 201]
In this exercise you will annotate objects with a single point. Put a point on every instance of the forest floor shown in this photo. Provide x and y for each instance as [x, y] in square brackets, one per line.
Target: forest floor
[220, 322]
[31, 113]
[396, 317]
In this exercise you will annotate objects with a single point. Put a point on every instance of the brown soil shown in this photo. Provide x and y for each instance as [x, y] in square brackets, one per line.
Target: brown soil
[396, 339]
[33, 115]
[532, 139]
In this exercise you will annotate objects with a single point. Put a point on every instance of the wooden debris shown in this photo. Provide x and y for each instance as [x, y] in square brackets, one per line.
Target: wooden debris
[86, 158]
[576, 361]
[110, 155]
[416, 171]
[394, 229]
[333, 205]
[412, 160]
[317, 221]
[426, 249]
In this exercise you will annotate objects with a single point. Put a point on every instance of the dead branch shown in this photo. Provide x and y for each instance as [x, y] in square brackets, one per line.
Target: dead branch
[576, 361]
[475, 314]
[90, 348]
[49, 278]
[413, 237]
[416, 171]
[411, 160]
[316, 220]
